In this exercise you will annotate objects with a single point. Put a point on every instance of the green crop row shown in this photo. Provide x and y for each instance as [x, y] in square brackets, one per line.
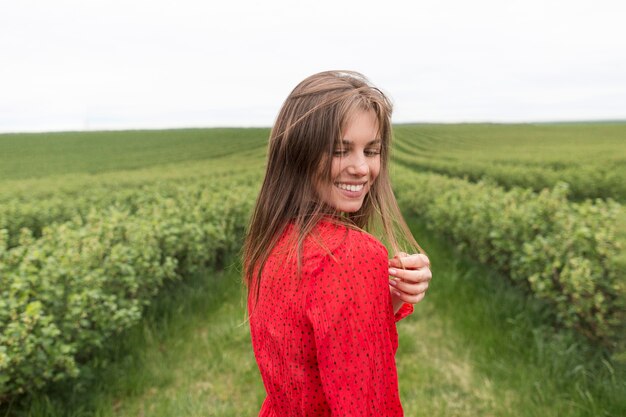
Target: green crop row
[562, 252]
[584, 181]
[74, 184]
[589, 157]
[64, 294]
[35, 214]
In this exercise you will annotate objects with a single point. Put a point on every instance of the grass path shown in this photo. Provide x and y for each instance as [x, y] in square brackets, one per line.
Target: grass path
[472, 347]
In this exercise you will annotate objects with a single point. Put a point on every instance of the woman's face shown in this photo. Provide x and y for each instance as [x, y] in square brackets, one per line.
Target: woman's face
[355, 164]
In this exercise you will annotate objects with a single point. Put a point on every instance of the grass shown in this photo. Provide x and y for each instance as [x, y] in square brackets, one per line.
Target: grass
[39, 155]
[474, 346]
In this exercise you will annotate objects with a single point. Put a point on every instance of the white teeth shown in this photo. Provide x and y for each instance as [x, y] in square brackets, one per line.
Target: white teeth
[350, 187]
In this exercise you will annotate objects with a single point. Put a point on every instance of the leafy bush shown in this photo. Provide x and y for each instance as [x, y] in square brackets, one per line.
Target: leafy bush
[562, 252]
[64, 294]
[35, 213]
[585, 181]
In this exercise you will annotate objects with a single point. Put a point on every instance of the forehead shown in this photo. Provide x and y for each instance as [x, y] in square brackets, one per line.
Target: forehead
[361, 126]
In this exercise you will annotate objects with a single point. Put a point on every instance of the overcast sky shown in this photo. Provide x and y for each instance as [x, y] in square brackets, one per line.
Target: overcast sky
[91, 64]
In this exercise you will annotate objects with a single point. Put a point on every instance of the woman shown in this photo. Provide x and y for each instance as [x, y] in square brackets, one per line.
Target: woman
[321, 307]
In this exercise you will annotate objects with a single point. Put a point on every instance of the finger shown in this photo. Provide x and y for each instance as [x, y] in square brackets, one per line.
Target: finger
[409, 289]
[396, 259]
[400, 261]
[397, 263]
[414, 261]
[411, 299]
[411, 275]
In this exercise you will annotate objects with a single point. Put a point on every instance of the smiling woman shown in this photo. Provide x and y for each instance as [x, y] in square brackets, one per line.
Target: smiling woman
[322, 310]
[355, 166]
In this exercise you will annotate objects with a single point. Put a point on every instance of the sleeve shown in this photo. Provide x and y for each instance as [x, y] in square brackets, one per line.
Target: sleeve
[405, 310]
[349, 307]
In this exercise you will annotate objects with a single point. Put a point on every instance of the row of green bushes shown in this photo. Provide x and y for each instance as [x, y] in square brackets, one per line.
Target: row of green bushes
[62, 295]
[585, 181]
[562, 252]
[35, 214]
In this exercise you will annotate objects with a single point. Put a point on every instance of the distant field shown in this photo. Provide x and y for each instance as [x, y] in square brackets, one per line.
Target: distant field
[551, 146]
[590, 157]
[39, 155]
[554, 145]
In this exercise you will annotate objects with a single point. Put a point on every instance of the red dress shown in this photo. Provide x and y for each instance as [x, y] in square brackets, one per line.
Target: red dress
[326, 346]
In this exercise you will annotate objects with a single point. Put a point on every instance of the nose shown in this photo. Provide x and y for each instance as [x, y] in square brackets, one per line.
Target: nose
[358, 166]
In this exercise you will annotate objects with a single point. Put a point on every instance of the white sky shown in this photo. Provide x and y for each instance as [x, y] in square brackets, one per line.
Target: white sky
[91, 64]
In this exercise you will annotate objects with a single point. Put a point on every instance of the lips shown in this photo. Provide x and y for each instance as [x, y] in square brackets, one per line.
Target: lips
[352, 191]
[350, 187]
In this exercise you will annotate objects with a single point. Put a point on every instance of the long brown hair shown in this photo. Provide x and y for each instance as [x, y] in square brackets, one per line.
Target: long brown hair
[307, 130]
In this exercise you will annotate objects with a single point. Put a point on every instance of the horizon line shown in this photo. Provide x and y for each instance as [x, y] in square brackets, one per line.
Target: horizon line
[254, 126]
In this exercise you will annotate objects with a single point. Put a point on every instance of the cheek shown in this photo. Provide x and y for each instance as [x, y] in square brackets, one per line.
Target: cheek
[374, 169]
[335, 168]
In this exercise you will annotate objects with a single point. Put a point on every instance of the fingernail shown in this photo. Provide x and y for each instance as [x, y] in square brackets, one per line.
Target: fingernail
[393, 282]
[392, 271]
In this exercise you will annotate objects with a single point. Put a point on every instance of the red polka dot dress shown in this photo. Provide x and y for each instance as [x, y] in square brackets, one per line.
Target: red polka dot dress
[325, 345]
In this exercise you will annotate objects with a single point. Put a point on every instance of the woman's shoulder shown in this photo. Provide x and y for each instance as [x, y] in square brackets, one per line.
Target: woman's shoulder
[329, 238]
[356, 259]
[334, 238]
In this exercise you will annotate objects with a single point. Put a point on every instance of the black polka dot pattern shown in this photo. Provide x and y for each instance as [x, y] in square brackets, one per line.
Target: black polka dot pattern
[325, 345]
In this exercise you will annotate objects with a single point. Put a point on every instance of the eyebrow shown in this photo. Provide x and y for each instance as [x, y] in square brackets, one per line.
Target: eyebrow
[370, 143]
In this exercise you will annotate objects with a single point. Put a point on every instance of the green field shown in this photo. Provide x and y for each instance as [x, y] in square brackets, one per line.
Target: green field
[590, 157]
[476, 345]
[28, 156]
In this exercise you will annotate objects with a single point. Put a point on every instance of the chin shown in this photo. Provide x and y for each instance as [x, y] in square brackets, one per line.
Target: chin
[349, 207]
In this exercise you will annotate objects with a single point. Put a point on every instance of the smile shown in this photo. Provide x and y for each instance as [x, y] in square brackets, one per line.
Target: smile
[350, 187]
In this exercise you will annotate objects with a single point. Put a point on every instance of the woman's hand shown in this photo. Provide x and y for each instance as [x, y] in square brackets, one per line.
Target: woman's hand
[408, 285]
